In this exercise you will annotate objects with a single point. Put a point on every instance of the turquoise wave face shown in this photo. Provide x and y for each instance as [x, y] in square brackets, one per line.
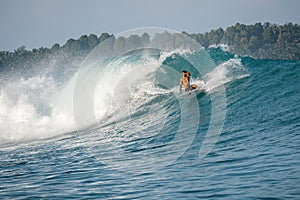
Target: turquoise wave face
[146, 137]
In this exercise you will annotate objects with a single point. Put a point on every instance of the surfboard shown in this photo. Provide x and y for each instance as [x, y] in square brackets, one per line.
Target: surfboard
[195, 92]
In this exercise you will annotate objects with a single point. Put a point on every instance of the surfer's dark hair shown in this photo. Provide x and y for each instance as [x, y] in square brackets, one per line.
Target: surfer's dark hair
[183, 71]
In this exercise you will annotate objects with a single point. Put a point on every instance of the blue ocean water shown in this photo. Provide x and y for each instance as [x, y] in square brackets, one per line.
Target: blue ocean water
[147, 146]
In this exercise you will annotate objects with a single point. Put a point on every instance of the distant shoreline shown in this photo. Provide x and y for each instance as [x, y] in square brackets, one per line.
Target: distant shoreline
[260, 41]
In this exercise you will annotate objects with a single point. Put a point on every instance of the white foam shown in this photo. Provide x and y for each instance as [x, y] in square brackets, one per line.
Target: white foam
[224, 47]
[224, 73]
[27, 110]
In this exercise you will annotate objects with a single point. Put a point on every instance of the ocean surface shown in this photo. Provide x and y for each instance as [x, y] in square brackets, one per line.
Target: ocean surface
[139, 138]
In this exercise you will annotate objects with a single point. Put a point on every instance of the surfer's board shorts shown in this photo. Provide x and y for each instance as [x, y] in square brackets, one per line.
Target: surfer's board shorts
[191, 87]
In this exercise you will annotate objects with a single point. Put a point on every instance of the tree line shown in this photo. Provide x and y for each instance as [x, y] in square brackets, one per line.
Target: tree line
[261, 41]
[70, 52]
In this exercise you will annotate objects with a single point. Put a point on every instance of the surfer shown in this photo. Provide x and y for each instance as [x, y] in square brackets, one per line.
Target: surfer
[185, 81]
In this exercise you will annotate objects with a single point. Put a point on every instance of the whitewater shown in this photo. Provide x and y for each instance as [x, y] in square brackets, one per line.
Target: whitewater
[118, 128]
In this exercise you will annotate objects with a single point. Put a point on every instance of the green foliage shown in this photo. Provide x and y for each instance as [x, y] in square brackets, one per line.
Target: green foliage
[93, 41]
[104, 36]
[258, 40]
[73, 50]
[55, 47]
